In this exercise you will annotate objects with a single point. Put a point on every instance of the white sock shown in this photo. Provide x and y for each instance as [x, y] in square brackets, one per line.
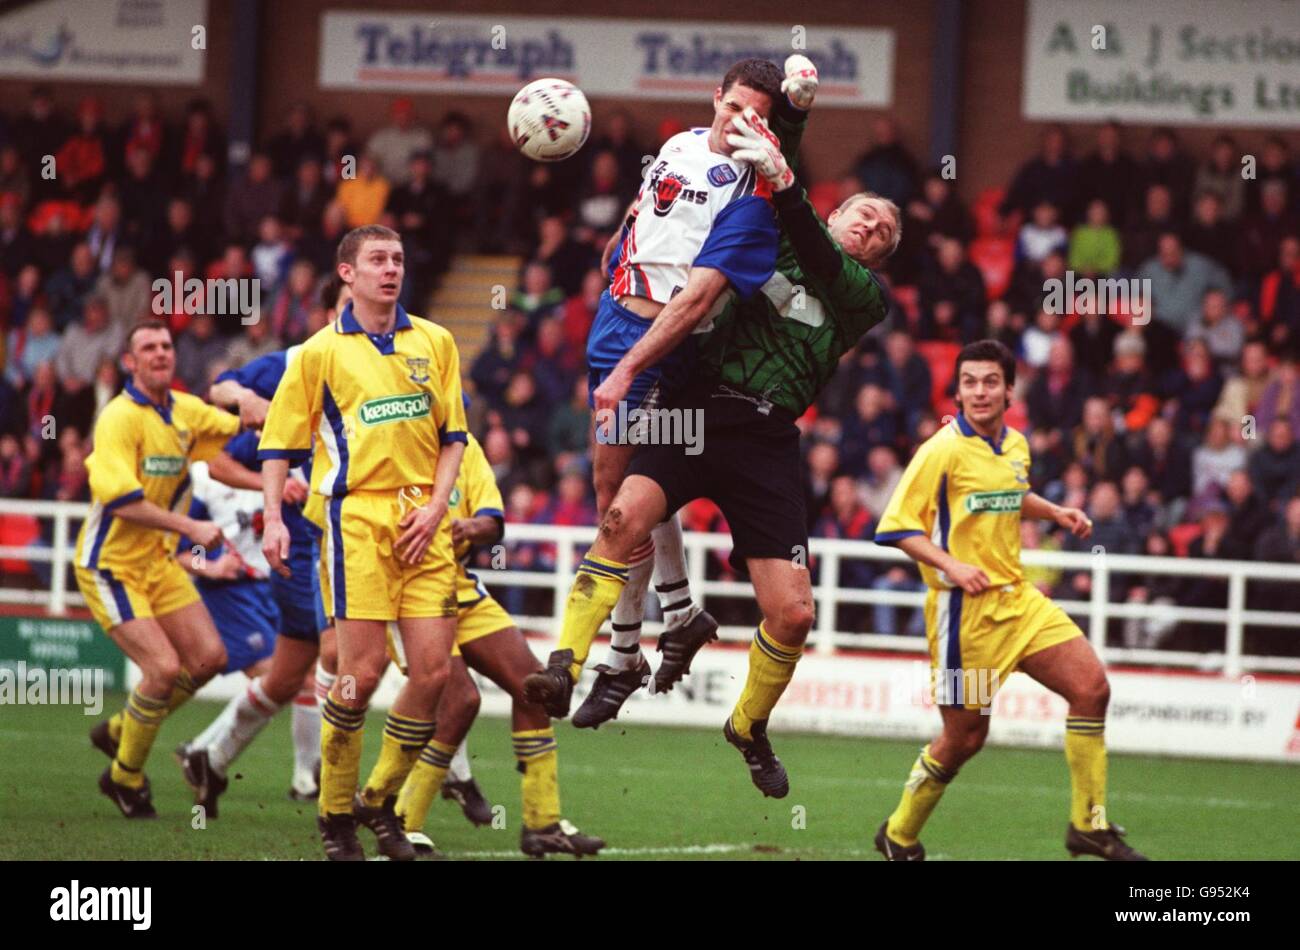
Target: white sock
[252, 711]
[458, 771]
[625, 641]
[306, 738]
[324, 683]
[671, 585]
[208, 736]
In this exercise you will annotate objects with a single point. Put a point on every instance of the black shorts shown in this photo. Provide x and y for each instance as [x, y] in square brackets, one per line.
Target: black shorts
[749, 466]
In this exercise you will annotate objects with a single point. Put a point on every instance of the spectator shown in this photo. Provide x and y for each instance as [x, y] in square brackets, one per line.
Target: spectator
[206, 193]
[364, 197]
[570, 426]
[1279, 295]
[1279, 543]
[108, 383]
[887, 167]
[256, 341]
[580, 311]
[1036, 343]
[1052, 177]
[419, 211]
[1167, 165]
[1262, 231]
[497, 361]
[1192, 391]
[905, 376]
[568, 260]
[456, 167]
[52, 236]
[82, 161]
[40, 132]
[251, 198]
[292, 304]
[1207, 233]
[203, 147]
[87, 343]
[145, 130]
[524, 416]
[305, 199]
[1179, 280]
[1275, 466]
[1041, 235]
[392, 146]
[320, 245]
[1093, 338]
[572, 504]
[955, 280]
[1167, 461]
[1056, 395]
[1141, 513]
[871, 424]
[603, 200]
[15, 468]
[1218, 328]
[297, 143]
[126, 290]
[1216, 458]
[1281, 397]
[883, 475]
[31, 346]
[1032, 539]
[1221, 175]
[105, 231]
[271, 256]
[197, 350]
[536, 298]
[1111, 532]
[552, 367]
[144, 199]
[618, 138]
[1248, 514]
[846, 518]
[1242, 392]
[1274, 167]
[823, 466]
[340, 150]
[1096, 445]
[1030, 285]
[1142, 236]
[69, 287]
[1156, 590]
[15, 241]
[1109, 175]
[935, 214]
[1094, 245]
[14, 178]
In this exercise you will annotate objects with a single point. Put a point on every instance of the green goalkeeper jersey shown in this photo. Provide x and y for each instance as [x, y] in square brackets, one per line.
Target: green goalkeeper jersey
[784, 343]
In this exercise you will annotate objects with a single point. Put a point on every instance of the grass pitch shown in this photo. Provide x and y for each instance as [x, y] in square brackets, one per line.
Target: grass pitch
[652, 792]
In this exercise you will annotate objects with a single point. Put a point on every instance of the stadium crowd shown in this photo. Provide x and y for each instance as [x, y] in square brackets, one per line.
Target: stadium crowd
[1173, 427]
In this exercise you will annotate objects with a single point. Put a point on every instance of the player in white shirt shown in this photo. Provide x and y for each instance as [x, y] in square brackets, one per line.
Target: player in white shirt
[701, 226]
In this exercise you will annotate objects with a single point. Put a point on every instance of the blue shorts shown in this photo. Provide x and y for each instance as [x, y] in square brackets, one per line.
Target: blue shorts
[246, 617]
[302, 614]
[616, 330]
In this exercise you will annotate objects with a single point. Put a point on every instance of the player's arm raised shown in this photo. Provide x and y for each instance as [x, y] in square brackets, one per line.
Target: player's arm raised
[1071, 519]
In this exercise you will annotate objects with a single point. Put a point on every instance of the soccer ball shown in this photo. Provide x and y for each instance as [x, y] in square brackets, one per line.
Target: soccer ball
[549, 120]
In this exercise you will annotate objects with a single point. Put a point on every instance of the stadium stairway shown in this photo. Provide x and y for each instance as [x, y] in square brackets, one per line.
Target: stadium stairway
[463, 302]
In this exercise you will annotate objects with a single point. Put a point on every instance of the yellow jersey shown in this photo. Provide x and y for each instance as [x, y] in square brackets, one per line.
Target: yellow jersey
[380, 405]
[964, 492]
[476, 494]
[143, 451]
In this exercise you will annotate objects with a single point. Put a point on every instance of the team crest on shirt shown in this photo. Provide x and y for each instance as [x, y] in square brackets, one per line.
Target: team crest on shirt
[1022, 472]
[720, 175]
[454, 500]
[667, 189]
[419, 367]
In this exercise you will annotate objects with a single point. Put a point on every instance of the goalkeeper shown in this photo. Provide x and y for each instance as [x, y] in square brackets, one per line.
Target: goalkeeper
[758, 371]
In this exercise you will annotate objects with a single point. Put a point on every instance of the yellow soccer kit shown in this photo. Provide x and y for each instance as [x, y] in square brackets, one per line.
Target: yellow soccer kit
[142, 451]
[380, 407]
[964, 492]
[478, 615]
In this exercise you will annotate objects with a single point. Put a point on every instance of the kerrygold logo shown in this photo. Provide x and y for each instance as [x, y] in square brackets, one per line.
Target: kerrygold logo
[394, 409]
[994, 501]
[163, 466]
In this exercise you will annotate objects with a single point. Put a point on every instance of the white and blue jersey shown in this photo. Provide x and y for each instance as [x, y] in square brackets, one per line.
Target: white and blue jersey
[696, 208]
[243, 610]
[298, 596]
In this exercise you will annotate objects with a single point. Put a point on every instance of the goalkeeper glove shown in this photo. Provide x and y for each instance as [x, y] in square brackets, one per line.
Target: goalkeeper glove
[753, 142]
[800, 83]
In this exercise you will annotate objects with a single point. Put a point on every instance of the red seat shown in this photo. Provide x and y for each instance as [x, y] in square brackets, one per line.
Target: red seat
[996, 260]
[17, 531]
[825, 197]
[988, 220]
[941, 358]
[908, 298]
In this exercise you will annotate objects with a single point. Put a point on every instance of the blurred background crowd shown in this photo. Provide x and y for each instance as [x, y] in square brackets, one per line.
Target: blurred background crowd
[1174, 428]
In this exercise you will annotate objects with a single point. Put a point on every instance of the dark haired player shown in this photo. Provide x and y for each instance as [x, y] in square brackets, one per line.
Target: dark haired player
[957, 513]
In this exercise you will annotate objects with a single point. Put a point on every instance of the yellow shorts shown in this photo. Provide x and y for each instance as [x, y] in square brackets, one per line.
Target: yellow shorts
[977, 642]
[155, 588]
[362, 576]
[474, 622]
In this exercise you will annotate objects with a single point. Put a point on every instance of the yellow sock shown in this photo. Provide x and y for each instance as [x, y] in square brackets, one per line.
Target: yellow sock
[423, 783]
[182, 692]
[403, 740]
[592, 598]
[115, 725]
[340, 756]
[1085, 752]
[922, 792]
[144, 715]
[771, 666]
[538, 758]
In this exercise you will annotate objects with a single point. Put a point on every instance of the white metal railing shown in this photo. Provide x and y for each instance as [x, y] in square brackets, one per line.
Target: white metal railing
[828, 554]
